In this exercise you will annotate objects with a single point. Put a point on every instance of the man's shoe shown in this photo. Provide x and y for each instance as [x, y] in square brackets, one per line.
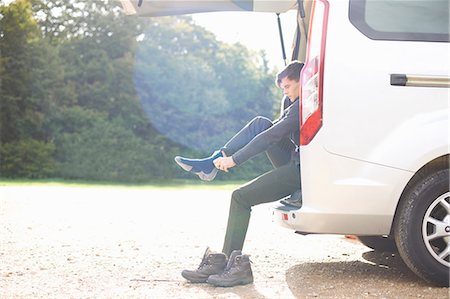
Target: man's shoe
[237, 272]
[204, 168]
[294, 200]
[212, 263]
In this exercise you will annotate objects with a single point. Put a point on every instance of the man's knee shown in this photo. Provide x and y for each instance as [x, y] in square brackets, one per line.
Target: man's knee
[262, 122]
[238, 199]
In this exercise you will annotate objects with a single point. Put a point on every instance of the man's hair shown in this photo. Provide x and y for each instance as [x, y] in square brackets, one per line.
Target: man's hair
[291, 71]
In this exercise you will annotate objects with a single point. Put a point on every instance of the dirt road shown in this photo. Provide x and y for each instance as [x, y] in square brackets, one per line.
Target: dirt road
[124, 242]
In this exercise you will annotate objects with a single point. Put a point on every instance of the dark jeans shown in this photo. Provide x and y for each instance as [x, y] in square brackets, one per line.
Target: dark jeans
[278, 154]
[271, 186]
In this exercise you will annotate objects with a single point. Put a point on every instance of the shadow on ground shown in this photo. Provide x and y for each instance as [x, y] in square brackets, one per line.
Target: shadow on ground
[244, 292]
[376, 274]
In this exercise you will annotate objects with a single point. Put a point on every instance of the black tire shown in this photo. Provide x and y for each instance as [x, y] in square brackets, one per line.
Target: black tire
[425, 200]
[379, 243]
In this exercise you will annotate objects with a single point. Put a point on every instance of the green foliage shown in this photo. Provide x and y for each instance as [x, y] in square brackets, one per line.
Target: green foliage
[108, 151]
[19, 34]
[185, 76]
[92, 147]
[27, 158]
[88, 93]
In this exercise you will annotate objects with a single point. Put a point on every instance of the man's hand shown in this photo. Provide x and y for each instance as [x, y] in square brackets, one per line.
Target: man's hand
[224, 163]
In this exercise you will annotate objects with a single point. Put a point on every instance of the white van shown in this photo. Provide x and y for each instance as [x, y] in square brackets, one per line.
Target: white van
[375, 121]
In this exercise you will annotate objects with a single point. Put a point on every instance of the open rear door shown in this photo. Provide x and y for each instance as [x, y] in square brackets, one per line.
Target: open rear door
[153, 8]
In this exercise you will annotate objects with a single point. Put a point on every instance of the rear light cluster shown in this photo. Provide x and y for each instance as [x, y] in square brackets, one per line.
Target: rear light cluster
[311, 77]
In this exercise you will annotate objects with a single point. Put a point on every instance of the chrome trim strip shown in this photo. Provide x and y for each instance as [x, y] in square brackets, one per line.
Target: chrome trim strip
[427, 81]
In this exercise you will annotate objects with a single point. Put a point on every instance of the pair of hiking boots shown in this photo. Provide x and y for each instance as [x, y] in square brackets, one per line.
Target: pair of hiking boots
[218, 270]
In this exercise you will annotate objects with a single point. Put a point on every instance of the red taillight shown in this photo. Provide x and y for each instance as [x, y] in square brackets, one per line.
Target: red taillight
[311, 77]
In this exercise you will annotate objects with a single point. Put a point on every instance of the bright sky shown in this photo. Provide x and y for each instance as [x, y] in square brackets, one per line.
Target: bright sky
[255, 30]
[6, 2]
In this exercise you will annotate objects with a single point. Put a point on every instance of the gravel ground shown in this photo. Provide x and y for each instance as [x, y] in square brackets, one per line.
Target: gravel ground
[124, 242]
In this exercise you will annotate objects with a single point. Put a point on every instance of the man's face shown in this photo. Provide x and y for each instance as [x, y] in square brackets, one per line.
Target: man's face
[291, 88]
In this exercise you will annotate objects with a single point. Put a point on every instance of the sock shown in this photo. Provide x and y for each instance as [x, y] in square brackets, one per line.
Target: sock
[204, 165]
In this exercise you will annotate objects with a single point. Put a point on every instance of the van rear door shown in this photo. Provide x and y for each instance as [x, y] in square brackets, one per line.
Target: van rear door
[153, 8]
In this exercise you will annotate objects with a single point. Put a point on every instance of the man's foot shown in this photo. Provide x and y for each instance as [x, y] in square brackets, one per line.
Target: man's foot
[237, 272]
[294, 200]
[204, 168]
[212, 263]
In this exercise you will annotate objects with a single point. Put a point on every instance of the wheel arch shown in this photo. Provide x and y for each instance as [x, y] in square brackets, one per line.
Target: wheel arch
[436, 164]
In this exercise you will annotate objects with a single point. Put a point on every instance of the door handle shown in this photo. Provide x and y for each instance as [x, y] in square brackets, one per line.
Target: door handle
[420, 80]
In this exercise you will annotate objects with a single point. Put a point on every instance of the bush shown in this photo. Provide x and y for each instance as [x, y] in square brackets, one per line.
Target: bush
[107, 150]
[27, 158]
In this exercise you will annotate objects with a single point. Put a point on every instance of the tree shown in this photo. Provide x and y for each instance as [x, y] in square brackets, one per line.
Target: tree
[29, 82]
[87, 92]
[18, 33]
[185, 76]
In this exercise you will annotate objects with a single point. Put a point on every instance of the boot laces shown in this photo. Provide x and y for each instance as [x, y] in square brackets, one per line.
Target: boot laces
[226, 272]
[230, 266]
[205, 262]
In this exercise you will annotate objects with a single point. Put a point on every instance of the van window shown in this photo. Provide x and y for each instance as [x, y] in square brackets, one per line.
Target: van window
[411, 20]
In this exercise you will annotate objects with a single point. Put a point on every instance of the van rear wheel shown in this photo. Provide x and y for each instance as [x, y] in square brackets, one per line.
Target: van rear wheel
[422, 227]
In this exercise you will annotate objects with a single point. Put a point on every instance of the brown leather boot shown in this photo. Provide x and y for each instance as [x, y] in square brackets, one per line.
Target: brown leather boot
[212, 263]
[237, 272]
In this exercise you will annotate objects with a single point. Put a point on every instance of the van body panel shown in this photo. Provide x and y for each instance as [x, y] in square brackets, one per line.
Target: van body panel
[345, 195]
[390, 115]
[154, 8]
[375, 136]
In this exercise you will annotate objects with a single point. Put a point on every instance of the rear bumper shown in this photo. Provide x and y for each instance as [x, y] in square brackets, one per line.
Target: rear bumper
[309, 221]
[343, 196]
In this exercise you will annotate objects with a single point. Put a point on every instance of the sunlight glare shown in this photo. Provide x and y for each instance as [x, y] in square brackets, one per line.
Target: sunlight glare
[257, 31]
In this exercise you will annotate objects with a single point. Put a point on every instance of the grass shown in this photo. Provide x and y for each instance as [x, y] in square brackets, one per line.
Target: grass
[168, 184]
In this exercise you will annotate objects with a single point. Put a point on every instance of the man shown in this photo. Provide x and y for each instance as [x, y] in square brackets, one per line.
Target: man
[280, 140]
